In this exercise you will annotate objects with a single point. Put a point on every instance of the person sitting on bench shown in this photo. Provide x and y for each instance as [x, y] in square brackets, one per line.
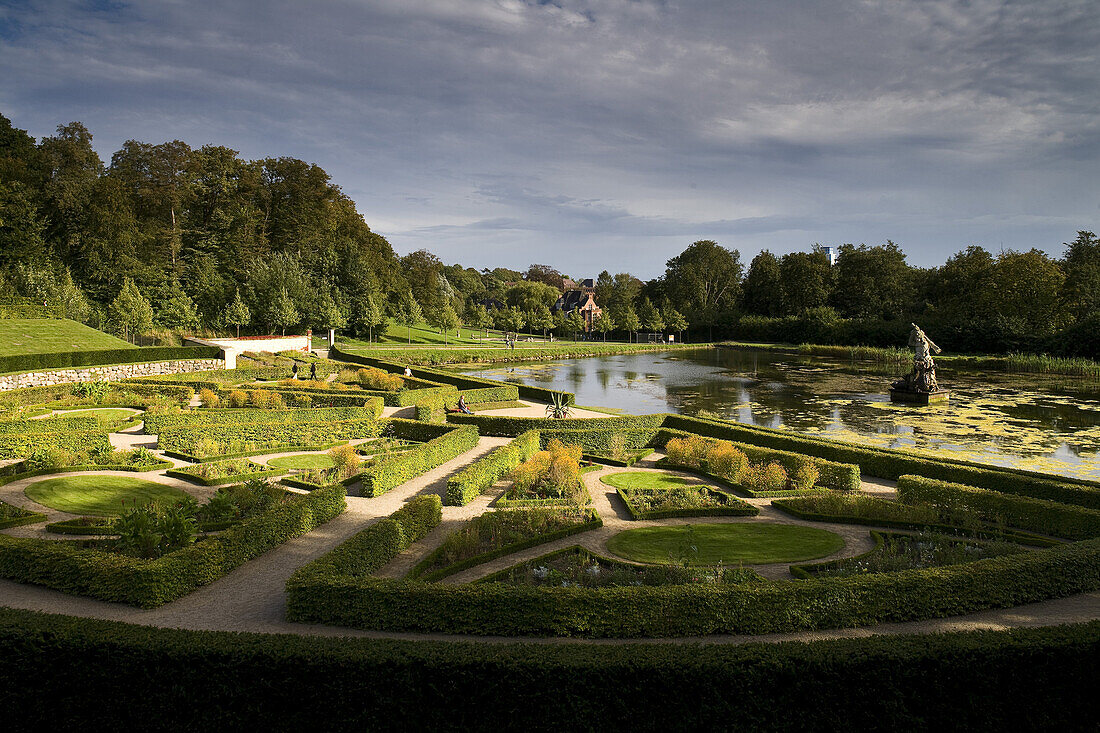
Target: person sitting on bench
[462, 405]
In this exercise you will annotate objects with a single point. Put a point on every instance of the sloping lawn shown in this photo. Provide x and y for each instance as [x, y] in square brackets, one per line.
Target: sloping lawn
[752, 543]
[51, 335]
[101, 496]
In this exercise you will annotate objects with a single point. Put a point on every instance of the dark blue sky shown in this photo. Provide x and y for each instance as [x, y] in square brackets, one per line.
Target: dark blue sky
[611, 133]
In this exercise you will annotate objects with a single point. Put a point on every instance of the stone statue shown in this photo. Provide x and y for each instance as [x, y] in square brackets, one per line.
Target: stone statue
[923, 376]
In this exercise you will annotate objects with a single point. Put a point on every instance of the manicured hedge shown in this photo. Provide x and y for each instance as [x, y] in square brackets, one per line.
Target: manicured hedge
[25, 516]
[1035, 515]
[317, 398]
[393, 470]
[67, 359]
[274, 435]
[468, 484]
[150, 583]
[807, 571]
[8, 478]
[129, 675]
[510, 427]
[235, 416]
[367, 551]
[488, 390]
[635, 456]
[77, 441]
[120, 395]
[592, 520]
[697, 610]
[734, 507]
[48, 425]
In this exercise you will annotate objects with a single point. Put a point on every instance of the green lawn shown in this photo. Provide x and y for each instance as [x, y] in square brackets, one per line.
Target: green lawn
[752, 543]
[105, 414]
[647, 480]
[101, 496]
[303, 461]
[424, 334]
[49, 335]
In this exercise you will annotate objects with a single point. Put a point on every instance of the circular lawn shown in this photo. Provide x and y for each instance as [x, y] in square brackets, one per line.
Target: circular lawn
[101, 496]
[647, 480]
[752, 543]
[303, 461]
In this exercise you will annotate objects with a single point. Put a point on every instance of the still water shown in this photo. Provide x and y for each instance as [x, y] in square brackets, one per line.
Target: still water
[1030, 421]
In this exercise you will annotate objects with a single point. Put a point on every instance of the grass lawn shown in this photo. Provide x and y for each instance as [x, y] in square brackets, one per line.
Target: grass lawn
[649, 480]
[422, 334]
[101, 496]
[303, 461]
[751, 543]
[50, 335]
[105, 414]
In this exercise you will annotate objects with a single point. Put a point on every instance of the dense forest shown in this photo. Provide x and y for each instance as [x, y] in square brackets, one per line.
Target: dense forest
[168, 238]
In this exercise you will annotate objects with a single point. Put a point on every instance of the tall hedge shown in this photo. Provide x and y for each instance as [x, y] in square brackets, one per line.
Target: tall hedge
[468, 484]
[1034, 515]
[390, 471]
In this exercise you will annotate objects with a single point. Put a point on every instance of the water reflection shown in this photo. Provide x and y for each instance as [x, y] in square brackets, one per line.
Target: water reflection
[1045, 423]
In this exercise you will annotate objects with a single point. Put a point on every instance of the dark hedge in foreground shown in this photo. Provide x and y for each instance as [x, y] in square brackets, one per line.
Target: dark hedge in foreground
[63, 671]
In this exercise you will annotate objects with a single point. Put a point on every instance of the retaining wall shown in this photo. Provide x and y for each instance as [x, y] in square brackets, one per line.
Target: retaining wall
[107, 373]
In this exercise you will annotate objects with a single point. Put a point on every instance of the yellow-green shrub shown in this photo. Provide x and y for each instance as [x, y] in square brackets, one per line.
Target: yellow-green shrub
[238, 398]
[372, 378]
[209, 398]
[345, 460]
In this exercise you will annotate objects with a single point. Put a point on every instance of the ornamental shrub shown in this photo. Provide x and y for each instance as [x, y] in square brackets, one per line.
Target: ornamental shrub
[238, 398]
[775, 477]
[209, 398]
[727, 461]
[345, 461]
[805, 476]
[372, 378]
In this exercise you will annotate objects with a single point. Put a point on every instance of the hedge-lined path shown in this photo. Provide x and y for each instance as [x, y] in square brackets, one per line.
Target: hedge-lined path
[538, 409]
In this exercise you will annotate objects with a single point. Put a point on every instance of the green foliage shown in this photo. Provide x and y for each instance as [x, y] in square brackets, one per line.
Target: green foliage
[214, 473]
[237, 313]
[391, 471]
[472, 481]
[210, 439]
[150, 583]
[68, 359]
[130, 312]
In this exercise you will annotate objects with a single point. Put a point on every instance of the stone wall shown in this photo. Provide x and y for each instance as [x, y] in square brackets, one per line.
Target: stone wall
[107, 373]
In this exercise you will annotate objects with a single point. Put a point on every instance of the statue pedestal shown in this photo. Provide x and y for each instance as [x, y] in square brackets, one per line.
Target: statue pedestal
[919, 398]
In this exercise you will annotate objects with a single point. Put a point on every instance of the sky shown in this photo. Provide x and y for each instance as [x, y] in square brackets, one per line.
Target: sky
[608, 134]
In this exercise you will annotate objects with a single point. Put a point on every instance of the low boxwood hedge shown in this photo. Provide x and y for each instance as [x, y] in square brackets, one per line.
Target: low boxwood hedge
[9, 478]
[190, 474]
[68, 359]
[635, 456]
[150, 583]
[1034, 515]
[698, 610]
[130, 674]
[734, 507]
[273, 436]
[21, 445]
[808, 570]
[472, 481]
[392, 470]
[154, 424]
[14, 516]
[121, 394]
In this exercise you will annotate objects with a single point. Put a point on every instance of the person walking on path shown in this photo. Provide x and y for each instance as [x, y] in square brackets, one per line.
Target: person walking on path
[294, 371]
[313, 371]
[408, 372]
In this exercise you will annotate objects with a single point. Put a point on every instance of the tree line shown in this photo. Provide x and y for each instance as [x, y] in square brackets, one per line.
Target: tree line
[171, 237]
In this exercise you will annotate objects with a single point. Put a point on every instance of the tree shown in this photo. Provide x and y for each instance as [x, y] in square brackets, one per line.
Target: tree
[328, 314]
[479, 318]
[560, 323]
[408, 310]
[540, 319]
[1081, 293]
[605, 287]
[676, 322]
[650, 317]
[544, 274]
[872, 282]
[283, 313]
[575, 323]
[175, 310]
[514, 319]
[371, 316]
[1028, 287]
[422, 270]
[704, 281]
[628, 320]
[762, 292]
[237, 313]
[21, 227]
[527, 296]
[448, 320]
[130, 312]
[807, 279]
[604, 324]
[963, 289]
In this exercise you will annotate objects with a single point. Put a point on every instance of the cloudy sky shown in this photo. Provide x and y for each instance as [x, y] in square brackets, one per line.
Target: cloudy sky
[608, 133]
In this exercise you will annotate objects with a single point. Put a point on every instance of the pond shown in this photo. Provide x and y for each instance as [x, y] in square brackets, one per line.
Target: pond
[1040, 422]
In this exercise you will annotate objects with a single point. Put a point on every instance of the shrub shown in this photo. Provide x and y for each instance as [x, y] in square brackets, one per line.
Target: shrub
[209, 398]
[775, 477]
[238, 398]
[727, 461]
[806, 476]
[372, 378]
[463, 487]
[345, 461]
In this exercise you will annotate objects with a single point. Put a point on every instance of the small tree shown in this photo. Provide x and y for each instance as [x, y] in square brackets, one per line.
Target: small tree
[516, 319]
[371, 315]
[447, 320]
[575, 323]
[630, 321]
[237, 313]
[604, 323]
[283, 312]
[130, 311]
[540, 319]
[176, 310]
[650, 317]
[676, 322]
[409, 311]
[561, 322]
[479, 318]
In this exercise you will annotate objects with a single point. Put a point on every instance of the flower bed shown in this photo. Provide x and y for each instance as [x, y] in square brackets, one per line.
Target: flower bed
[658, 496]
[478, 477]
[547, 478]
